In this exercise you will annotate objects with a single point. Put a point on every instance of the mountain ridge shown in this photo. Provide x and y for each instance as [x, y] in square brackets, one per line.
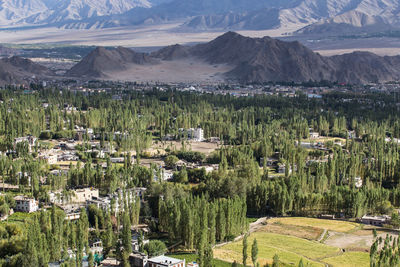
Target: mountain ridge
[256, 60]
[205, 15]
[17, 70]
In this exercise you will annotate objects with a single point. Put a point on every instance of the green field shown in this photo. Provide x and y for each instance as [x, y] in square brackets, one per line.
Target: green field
[349, 259]
[193, 257]
[289, 249]
[292, 249]
[331, 225]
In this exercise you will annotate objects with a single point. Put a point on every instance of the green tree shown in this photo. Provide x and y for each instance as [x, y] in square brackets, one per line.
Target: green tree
[155, 248]
[244, 251]
[254, 252]
[275, 262]
[170, 161]
[91, 260]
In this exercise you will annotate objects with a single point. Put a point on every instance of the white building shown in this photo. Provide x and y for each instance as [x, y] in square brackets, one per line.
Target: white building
[376, 220]
[165, 175]
[196, 134]
[30, 139]
[358, 182]
[164, 261]
[103, 203]
[314, 135]
[115, 201]
[84, 194]
[25, 204]
[51, 159]
[55, 198]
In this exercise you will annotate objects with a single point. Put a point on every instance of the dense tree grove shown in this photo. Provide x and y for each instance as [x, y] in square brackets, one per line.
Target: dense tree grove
[385, 252]
[267, 165]
[188, 219]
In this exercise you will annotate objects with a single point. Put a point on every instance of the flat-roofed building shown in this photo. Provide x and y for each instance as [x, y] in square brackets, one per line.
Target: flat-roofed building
[375, 220]
[25, 204]
[164, 261]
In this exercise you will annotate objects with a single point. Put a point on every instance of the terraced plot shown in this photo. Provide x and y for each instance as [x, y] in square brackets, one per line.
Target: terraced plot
[296, 238]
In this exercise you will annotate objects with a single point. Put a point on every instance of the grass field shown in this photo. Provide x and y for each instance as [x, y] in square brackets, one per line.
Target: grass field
[295, 238]
[330, 225]
[306, 232]
[349, 259]
[193, 257]
[289, 249]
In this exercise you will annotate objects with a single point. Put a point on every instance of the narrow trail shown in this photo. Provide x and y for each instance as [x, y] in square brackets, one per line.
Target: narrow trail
[322, 235]
[252, 228]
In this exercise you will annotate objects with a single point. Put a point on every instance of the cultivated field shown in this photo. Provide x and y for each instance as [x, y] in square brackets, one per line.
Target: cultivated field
[308, 239]
[331, 225]
[289, 248]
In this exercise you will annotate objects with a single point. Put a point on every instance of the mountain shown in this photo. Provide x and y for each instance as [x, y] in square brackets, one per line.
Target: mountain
[246, 60]
[317, 16]
[362, 16]
[15, 70]
[48, 12]
[251, 20]
[102, 60]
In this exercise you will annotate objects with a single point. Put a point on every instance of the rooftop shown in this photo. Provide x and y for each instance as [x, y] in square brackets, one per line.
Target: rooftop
[165, 259]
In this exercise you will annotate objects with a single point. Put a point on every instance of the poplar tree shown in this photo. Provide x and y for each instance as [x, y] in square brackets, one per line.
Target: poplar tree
[254, 252]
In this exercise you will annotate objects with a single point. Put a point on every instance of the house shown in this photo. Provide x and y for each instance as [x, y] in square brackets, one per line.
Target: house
[215, 140]
[117, 160]
[68, 157]
[351, 135]
[358, 182]
[25, 204]
[195, 134]
[103, 203]
[135, 241]
[84, 194]
[375, 220]
[72, 216]
[164, 261]
[166, 175]
[115, 201]
[96, 247]
[327, 216]
[314, 135]
[51, 159]
[138, 259]
[55, 197]
[30, 140]
[110, 262]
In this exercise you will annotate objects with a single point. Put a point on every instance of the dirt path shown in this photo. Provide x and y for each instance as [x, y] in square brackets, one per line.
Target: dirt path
[252, 228]
[322, 235]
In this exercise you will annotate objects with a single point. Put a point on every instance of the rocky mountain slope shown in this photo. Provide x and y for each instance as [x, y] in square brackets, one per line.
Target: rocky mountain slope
[251, 60]
[48, 12]
[17, 70]
[101, 61]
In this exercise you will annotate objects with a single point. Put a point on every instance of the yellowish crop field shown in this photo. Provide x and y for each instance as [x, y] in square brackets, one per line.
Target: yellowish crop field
[331, 225]
[291, 247]
[349, 259]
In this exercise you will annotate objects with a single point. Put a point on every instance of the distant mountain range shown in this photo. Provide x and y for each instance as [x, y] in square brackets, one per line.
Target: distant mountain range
[317, 16]
[250, 60]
